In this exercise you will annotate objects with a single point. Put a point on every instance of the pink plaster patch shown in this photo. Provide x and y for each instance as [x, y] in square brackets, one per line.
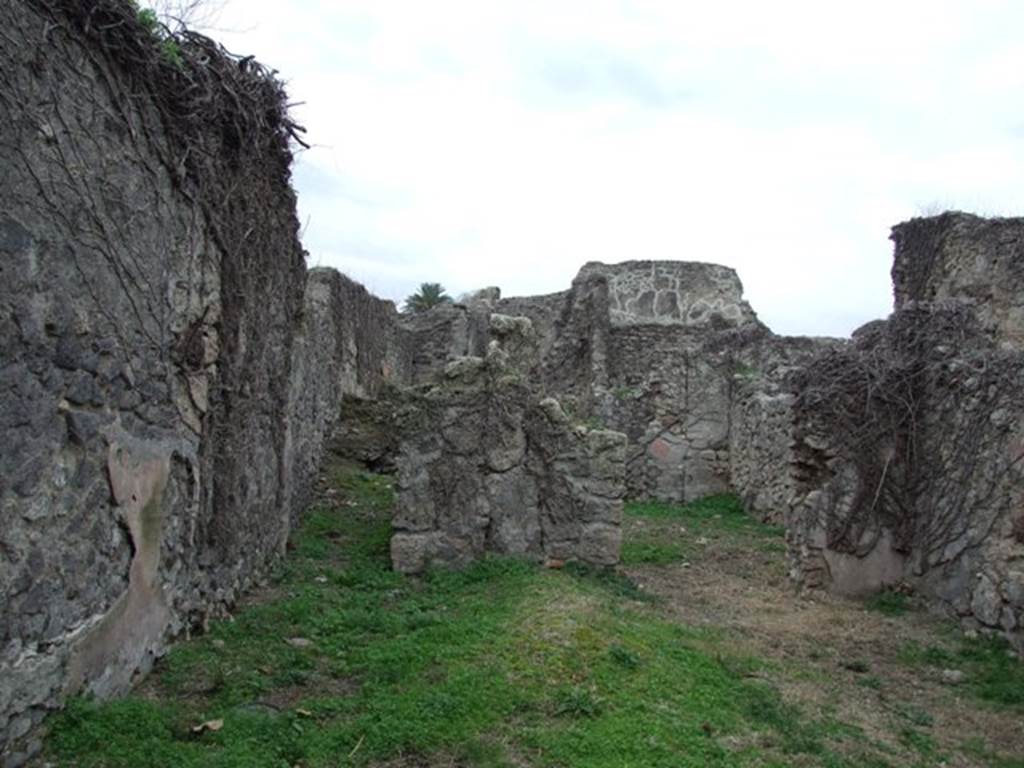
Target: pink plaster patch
[659, 449]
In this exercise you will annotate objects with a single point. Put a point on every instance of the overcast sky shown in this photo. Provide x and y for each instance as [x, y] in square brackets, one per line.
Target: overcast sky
[483, 143]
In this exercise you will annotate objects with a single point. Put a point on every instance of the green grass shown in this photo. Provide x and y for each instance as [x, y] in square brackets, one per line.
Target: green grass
[993, 674]
[720, 518]
[346, 663]
[977, 748]
[889, 602]
[651, 552]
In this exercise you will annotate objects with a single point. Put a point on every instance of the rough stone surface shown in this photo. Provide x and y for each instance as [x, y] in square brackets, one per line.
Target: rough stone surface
[968, 259]
[673, 293]
[908, 445]
[164, 388]
[761, 428]
[658, 368]
[442, 334]
[484, 465]
[348, 345]
[711, 401]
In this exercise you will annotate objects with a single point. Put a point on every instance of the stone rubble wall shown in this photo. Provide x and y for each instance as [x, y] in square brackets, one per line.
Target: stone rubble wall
[968, 259]
[710, 400]
[665, 377]
[164, 386]
[923, 485]
[673, 293]
[670, 392]
[760, 450]
[487, 465]
[442, 334]
[169, 377]
[542, 311]
[348, 349]
[761, 430]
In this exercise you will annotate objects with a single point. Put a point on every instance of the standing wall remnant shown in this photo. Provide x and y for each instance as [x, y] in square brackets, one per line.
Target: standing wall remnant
[487, 465]
[762, 421]
[163, 386]
[909, 455]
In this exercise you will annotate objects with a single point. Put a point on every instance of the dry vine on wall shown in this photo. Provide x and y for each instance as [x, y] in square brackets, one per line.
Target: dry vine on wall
[908, 407]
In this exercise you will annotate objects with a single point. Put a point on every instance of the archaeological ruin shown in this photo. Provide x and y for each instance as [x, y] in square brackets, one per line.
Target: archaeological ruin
[172, 372]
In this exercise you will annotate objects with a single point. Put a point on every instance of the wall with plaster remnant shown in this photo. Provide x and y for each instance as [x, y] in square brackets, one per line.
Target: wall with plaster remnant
[167, 375]
[656, 350]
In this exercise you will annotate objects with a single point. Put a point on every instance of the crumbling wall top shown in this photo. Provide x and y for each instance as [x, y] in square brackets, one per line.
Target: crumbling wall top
[964, 258]
[673, 293]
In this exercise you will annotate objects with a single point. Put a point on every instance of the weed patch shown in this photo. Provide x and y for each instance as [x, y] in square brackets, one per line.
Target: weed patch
[651, 553]
[993, 672]
[889, 602]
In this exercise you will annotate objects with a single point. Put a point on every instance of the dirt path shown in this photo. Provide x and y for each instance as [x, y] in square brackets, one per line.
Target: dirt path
[831, 654]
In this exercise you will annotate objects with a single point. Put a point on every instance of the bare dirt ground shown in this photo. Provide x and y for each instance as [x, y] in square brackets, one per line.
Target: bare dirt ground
[830, 654]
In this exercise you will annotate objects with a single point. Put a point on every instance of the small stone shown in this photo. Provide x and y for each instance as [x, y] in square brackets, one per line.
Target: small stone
[953, 676]
[218, 643]
[82, 390]
[209, 725]
[299, 642]
[82, 426]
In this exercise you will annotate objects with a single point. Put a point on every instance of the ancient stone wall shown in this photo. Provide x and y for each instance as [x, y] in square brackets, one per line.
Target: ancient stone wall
[169, 375]
[969, 259]
[348, 348]
[158, 365]
[670, 393]
[678, 333]
[544, 312]
[761, 436]
[442, 334]
[485, 464]
[653, 349]
[672, 293]
[908, 447]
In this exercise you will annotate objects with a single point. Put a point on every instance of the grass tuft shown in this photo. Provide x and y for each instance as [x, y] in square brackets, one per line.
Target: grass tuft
[889, 602]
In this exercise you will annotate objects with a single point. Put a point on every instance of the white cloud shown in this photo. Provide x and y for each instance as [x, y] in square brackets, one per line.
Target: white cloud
[508, 143]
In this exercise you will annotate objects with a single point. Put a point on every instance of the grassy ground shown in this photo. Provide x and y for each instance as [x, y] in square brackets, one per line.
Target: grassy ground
[344, 663]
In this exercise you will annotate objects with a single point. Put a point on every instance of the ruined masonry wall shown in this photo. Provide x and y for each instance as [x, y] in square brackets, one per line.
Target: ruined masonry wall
[926, 487]
[163, 390]
[762, 421]
[967, 259]
[166, 389]
[672, 292]
[671, 394]
[348, 345]
[487, 466]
